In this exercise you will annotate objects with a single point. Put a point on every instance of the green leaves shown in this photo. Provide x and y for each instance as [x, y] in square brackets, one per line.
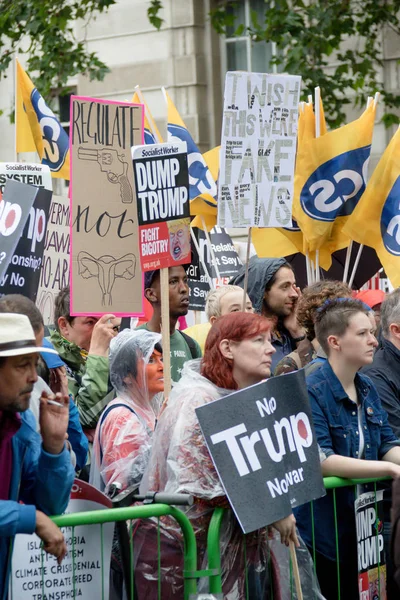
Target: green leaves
[152, 13]
[54, 53]
[335, 44]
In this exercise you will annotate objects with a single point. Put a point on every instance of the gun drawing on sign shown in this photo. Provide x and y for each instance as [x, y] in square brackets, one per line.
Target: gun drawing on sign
[113, 164]
[106, 269]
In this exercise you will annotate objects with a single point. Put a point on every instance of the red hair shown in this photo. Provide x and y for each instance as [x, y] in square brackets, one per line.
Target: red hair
[235, 327]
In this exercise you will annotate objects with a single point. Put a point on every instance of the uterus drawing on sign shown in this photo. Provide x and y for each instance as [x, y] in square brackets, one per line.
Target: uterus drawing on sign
[114, 165]
[106, 269]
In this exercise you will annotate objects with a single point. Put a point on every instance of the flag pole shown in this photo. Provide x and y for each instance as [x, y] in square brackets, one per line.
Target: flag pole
[375, 100]
[350, 246]
[149, 116]
[308, 269]
[317, 98]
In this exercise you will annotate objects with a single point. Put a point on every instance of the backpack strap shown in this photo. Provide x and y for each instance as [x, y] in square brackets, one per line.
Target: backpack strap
[191, 343]
[103, 418]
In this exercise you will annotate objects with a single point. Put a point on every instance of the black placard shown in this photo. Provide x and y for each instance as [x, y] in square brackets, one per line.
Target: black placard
[228, 262]
[23, 273]
[263, 445]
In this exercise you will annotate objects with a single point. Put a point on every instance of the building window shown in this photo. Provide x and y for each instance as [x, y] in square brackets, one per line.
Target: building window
[241, 52]
[61, 108]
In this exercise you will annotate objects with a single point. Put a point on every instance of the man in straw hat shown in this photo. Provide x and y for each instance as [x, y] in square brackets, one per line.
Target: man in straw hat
[35, 469]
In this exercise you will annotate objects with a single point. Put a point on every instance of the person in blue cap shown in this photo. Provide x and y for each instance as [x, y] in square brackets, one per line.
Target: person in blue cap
[57, 381]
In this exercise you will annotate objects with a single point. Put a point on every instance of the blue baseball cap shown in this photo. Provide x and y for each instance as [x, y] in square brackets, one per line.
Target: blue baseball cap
[52, 360]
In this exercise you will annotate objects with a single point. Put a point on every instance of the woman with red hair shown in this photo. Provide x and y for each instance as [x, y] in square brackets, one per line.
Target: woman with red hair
[237, 354]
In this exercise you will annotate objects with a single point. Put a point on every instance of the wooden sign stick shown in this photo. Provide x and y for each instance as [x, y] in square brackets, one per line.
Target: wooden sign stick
[296, 572]
[165, 331]
[246, 272]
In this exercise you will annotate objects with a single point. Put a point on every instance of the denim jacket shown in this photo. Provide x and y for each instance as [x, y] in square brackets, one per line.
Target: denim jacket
[336, 425]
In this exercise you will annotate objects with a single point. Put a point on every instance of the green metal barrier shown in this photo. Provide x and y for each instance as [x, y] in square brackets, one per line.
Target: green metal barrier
[144, 512]
[214, 531]
[42, 588]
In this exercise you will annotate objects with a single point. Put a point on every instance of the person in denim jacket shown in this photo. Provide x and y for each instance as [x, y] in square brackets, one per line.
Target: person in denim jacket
[353, 434]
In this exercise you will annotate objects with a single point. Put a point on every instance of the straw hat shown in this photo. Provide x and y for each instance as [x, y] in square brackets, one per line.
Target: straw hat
[17, 336]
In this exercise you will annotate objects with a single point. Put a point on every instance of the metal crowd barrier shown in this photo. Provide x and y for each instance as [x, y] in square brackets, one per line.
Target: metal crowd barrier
[190, 572]
[214, 533]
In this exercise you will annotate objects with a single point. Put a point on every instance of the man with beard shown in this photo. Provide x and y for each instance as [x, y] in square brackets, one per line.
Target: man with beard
[183, 347]
[36, 474]
[272, 290]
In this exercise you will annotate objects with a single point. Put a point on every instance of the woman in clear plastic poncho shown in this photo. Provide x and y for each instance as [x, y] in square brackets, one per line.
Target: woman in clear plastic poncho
[123, 436]
[237, 354]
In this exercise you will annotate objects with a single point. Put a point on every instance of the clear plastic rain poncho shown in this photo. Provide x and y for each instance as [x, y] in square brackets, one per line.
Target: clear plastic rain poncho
[180, 463]
[124, 432]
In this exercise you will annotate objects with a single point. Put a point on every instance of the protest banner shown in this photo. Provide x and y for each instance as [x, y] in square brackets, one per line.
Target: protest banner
[227, 259]
[162, 188]
[263, 445]
[23, 273]
[258, 149]
[29, 173]
[55, 264]
[84, 572]
[370, 546]
[15, 206]
[105, 274]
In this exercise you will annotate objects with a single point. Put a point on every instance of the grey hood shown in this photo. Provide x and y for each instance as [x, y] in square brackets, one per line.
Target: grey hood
[261, 271]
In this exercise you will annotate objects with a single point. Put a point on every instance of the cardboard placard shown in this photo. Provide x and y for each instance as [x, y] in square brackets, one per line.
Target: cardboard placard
[162, 187]
[263, 445]
[228, 262]
[55, 264]
[105, 270]
[258, 149]
[370, 546]
[29, 173]
[15, 206]
[89, 547]
[23, 273]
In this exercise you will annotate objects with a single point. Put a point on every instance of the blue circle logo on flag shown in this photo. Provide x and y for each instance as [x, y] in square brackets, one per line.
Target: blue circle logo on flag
[200, 178]
[54, 138]
[336, 186]
[149, 137]
[294, 228]
[390, 220]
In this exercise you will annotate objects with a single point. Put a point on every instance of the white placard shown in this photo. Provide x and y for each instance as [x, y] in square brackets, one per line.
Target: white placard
[258, 150]
[34, 578]
[54, 275]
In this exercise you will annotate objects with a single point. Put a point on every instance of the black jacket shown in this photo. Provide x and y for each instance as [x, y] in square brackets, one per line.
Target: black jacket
[385, 374]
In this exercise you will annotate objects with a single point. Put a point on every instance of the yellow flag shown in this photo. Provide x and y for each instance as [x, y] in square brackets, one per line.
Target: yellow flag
[205, 206]
[25, 141]
[330, 178]
[51, 141]
[201, 180]
[284, 241]
[151, 132]
[375, 222]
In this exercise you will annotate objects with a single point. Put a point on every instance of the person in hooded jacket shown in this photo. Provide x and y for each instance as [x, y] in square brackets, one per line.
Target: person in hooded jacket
[273, 292]
[237, 354]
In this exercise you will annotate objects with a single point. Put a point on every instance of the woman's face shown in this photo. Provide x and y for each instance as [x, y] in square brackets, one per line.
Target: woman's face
[155, 374]
[252, 357]
[357, 345]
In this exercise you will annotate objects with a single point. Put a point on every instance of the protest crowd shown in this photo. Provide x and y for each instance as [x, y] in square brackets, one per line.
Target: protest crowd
[260, 407]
